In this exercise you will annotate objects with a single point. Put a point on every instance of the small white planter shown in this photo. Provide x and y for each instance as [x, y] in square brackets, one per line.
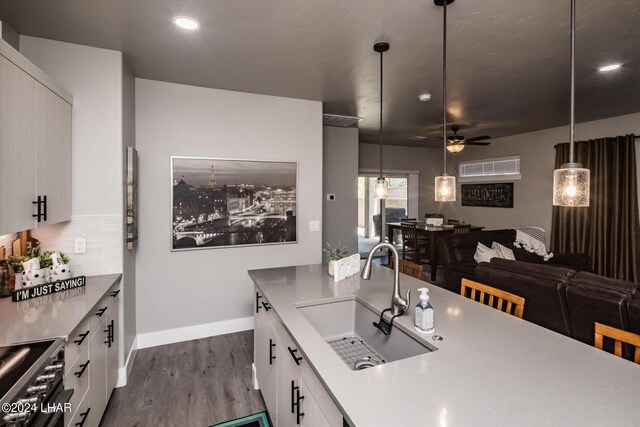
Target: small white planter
[331, 267]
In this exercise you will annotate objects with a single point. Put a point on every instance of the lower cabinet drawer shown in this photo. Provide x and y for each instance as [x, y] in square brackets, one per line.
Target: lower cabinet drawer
[77, 378]
[77, 342]
[81, 416]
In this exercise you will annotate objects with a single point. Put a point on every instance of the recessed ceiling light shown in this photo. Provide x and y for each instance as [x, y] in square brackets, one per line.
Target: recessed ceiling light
[424, 97]
[610, 67]
[186, 23]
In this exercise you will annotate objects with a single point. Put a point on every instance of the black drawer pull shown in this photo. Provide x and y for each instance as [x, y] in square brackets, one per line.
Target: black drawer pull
[293, 352]
[84, 416]
[293, 396]
[82, 338]
[266, 305]
[298, 413]
[100, 312]
[258, 296]
[271, 346]
[115, 293]
[81, 371]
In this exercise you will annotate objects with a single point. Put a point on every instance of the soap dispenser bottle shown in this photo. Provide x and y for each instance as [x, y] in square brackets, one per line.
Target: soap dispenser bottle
[424, 313]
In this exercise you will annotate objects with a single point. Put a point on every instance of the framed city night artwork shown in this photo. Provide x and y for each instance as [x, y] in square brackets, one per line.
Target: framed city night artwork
[218, 203]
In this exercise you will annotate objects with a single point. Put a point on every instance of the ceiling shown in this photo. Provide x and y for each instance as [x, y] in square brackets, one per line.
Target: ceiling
[508, 62]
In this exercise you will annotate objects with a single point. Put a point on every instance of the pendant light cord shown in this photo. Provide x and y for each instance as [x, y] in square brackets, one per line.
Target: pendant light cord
[573, 80]
[444, 87]
[381, 68]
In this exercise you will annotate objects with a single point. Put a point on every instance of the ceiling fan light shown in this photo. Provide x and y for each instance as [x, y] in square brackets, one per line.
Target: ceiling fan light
[571, 186]
[455, 148]
[445, 188]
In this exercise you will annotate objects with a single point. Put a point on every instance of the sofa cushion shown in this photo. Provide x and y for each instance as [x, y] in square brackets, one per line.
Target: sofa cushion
[503, 251]
[484, 254]
[541, 286]
[592, 298]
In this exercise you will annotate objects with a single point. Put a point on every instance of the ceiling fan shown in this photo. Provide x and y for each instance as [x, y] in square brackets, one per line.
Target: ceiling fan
[456, 143]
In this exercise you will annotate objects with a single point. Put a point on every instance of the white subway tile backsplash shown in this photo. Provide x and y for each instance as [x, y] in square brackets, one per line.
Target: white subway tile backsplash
[104, 234]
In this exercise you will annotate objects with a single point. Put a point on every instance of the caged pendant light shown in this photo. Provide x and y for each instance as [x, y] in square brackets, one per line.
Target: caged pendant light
[445, 185]
[382, 186]
[571, 182]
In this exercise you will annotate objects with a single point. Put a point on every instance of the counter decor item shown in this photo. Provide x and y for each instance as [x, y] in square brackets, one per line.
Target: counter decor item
[336, 253]
[47, 288]
[218, 203]
[346, 267]
[7, 276]
[433, 218]
[16, 263]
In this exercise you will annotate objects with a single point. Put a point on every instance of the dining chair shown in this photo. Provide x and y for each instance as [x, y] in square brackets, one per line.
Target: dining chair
[412, 244]
[455, 222]
[496, 297]
[409, 268]
[461, 229]
[619, 337]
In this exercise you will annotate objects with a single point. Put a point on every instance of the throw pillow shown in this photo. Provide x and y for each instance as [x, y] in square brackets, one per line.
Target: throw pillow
[485, 253]
[504, 251]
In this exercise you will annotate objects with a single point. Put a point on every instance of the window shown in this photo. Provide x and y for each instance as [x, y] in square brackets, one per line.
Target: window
[498, 169]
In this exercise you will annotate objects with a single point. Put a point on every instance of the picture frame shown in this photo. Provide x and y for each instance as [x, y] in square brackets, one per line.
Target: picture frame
[221, 203]
[132, 198]
[494, 195]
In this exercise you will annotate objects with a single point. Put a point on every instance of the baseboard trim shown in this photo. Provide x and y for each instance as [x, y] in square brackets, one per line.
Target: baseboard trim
[124, 372]
[188, 333]
[254, 377]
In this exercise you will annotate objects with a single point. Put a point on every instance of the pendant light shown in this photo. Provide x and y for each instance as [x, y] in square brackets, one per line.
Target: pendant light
[571, 181]
[381, 187]
[445, 185]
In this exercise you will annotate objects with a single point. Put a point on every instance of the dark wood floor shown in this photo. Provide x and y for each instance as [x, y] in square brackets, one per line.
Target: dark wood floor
[193, 383]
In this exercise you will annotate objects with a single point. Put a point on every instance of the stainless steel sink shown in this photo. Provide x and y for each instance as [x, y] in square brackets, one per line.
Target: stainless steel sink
[347, 326]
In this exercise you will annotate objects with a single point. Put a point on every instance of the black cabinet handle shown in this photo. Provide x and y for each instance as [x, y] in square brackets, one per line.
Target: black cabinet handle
[293, 396]
[113, 333]
[100, 312]
[109, 331]
[298, 400]
[44, 213]
[271, 346]
[84, 416]
[82, 338]
[293, 352]
[115, 293]
[266, 305]
[38, 214]
[81, 371]
[258, 296]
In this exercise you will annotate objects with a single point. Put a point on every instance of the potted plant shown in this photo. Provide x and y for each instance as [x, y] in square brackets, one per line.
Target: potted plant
[16, 264]
[55, 271]
[434, 218]
[336, 253]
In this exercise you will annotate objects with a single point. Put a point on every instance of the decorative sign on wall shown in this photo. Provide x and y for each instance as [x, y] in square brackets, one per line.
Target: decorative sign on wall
[222, 202]
[498, 195]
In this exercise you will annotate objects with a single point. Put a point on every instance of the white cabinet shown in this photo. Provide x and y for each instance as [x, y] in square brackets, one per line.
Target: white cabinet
[292, 392]
[93, 375]
[35, 146]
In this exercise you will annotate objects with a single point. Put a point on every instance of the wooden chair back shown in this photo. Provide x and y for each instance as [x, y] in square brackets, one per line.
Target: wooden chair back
[619, 337]
[454, 222]
[461, 229]
[493, 297]
[409, 268]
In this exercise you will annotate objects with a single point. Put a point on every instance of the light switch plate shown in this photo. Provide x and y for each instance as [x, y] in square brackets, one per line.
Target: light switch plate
[314, 225]
[80, 245]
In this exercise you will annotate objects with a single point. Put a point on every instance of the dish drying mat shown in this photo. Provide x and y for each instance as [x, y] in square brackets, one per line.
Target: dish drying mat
[352, 349]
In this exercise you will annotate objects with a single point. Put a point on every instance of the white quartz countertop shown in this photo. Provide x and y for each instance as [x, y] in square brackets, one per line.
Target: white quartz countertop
[490, 369]
[51, 316]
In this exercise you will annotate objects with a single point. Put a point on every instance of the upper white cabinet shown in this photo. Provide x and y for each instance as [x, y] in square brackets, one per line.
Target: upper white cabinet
[35, 146]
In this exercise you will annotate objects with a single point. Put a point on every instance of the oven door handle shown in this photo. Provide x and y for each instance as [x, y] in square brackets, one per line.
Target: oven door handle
[52, 419]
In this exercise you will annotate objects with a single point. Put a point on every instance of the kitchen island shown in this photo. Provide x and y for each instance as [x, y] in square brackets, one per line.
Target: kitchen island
[490, 368]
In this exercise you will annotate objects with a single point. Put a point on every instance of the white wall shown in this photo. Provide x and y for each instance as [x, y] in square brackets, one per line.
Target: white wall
[205, 287]
[102, 124]
[340, 177]
[532, 194]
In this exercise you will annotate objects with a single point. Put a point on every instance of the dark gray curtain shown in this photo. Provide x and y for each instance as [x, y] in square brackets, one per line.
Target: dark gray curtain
[608, 229]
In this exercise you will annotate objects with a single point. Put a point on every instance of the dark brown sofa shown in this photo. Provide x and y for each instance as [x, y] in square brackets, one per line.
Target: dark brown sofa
[457, 251]
[565, 300]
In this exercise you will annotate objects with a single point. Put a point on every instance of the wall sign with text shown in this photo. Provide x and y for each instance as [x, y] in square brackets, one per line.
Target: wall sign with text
[490, 195]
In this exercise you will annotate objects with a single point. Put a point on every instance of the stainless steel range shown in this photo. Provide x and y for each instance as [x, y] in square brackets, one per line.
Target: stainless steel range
[31, 384]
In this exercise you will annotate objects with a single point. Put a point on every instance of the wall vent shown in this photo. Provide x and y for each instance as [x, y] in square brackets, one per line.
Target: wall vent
[340, 121]
[504, 168]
